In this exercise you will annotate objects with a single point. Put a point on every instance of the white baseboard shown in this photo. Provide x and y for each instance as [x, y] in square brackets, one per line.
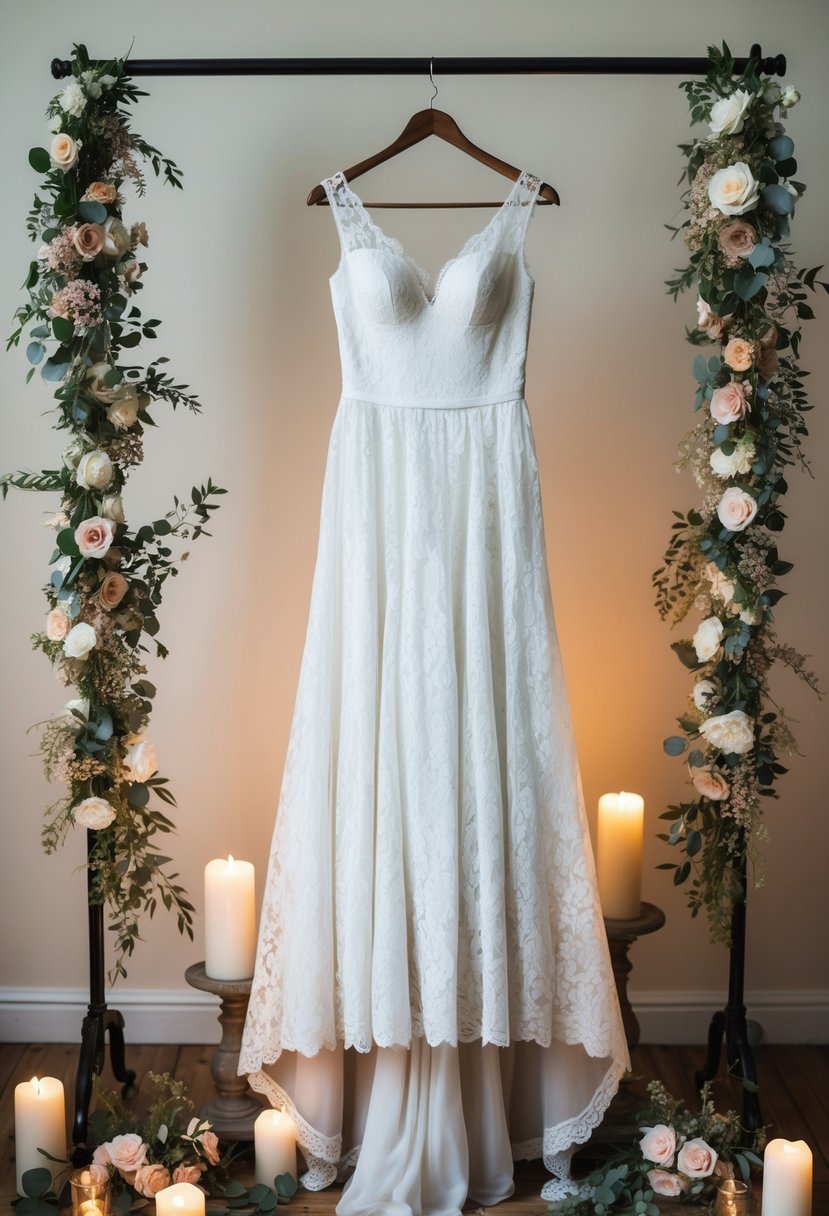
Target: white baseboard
[171, 1015]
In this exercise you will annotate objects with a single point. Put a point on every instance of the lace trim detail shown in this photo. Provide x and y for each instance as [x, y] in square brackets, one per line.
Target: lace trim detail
[321, 1153]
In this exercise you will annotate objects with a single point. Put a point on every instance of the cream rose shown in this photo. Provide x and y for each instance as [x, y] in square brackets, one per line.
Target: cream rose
[79, 641]
[95, 384]
[711, 784]
[658, 1144]
[731, 733]
[123, 412]
[94, 471]
[141, 760]
[734, 189]
[664, 1183]
[707, 641]
[728, 114]
[112, 507]
[696, 1158]
[737, 462]
[721, 586]
[150, 1179]
[704, 692]
[112, 590]
[739, 354]
[737, 239]
[57, 625]
[210, 1147]
[94, 813]
[94, 536]
[730, 403]
[736, 509]
[63, 153]
[127, 1152]
[116, 238]
[100, 192]
[88, 241]
[189, 1173]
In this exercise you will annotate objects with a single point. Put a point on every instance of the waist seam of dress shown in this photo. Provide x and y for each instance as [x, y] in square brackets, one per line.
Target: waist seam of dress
[499, 398]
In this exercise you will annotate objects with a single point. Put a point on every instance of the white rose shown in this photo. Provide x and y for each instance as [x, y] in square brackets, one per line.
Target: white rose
[704, 692]
[79, 641]
[710, 783]
[92, 86]
[123, 412]
[116, 239]
[95, 813]
[727, 114]
[141, 761]
[790, 97]
[80, 704]
[56, 123]
[63, 153]
[658, 1144]
[707, 638]
[732, 733]
[734, 189]
[736, 509]
[721, 587]
[72, 454]
[112, 507]
[94, 471]
[72, 100]
[738, 463]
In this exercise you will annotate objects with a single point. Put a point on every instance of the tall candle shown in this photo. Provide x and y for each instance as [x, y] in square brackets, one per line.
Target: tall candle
[619, 861]
[39, 1122]
[275, 1140]
[787, 1178]
[181, 1199]
[229, 919]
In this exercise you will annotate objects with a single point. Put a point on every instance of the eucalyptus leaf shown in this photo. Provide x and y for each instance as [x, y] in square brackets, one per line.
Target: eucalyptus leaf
[36, 1182]
[781, 147]
[63, 330]
[92, 212]
[54, 371]
[138, 795]
[675, 745]
[777, 199]
[35, 352]
[761, 255]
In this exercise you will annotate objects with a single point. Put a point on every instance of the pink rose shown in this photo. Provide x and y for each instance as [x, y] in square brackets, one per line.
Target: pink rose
[658, 1144]
[98, 1174]
[696, 1158]
[112, 590]
[89, 241]
[126, 1152]
[730, 402]
[150, 1179]
[57, 625]
[737, 239]
[210, 1147]
[189, 1173]
[101, 1155]
[663, 1183]
[94, 536]
[736, 509]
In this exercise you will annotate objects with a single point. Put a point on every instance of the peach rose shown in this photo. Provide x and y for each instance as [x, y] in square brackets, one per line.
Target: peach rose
[736, 509]
[737, 239]
[710, 783]
[57, 625]
[768, 362]
[189, 1173]
[739, 354]
[89, 241]
[63, 153]
[730, 402]
[696, 1158]
[150, 1179]
[94, 536]
[658, 1144]
[663, 1183]
[100, 192]
[210, 1147]
[112, 590]
[127, 1152]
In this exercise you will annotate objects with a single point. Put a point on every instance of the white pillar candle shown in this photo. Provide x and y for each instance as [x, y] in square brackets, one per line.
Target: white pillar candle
[39, 1122]
[229, 919]
[619, 860]
[275, 1140]
[181, 1199]
[787, 1178]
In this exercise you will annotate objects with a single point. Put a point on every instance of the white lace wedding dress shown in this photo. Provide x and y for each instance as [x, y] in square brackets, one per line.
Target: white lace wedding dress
[433, 994]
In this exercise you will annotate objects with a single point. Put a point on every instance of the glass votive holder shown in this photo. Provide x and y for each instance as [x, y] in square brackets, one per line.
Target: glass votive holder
[733, 1198]
[90, 1196]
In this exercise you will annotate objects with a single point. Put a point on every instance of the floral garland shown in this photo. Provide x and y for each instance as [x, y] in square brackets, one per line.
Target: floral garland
[106, 582]
[681, 1155]
[723, 558]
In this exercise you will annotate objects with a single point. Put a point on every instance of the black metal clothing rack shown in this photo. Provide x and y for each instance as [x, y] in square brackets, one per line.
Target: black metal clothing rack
[100, 1021]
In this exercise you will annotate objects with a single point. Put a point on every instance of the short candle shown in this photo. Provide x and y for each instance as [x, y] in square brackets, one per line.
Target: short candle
[275, 1140]
[229, 919]
[619, 854]
[181, 1199]
[39, 1122]
[787, 1178]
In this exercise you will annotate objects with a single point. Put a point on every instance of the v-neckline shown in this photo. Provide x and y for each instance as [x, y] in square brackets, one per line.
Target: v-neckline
[398, 248]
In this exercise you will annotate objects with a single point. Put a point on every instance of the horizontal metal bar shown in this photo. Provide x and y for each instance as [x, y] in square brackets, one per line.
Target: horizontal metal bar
[444, 66]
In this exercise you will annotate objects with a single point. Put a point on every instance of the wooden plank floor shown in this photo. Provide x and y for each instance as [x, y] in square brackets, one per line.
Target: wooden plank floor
[794, 1097]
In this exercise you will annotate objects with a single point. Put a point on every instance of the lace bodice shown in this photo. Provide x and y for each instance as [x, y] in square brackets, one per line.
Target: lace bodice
[466, 343]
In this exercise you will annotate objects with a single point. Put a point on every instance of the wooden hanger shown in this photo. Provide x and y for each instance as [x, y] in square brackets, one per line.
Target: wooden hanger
[419, 127]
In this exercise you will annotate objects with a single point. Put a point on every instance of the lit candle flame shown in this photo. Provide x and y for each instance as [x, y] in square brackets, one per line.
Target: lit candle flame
[230, 860]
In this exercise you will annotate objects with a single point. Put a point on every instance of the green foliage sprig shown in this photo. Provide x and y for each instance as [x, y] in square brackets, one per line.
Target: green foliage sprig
[107, 579]
[723, 557]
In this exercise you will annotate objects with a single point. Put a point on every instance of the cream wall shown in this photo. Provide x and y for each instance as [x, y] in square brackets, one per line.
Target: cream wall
[238, 270]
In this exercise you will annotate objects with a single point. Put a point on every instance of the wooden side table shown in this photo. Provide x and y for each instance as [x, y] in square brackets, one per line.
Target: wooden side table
[233, 1112]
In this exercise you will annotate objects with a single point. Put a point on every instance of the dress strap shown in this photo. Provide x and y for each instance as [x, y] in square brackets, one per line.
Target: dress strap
[356, 228]
[520, 208]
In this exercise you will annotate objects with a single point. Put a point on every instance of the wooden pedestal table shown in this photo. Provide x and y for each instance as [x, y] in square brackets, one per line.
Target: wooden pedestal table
[233, 1112]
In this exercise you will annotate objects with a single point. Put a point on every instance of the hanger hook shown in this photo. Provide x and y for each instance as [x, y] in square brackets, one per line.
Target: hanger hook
[432, 81]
